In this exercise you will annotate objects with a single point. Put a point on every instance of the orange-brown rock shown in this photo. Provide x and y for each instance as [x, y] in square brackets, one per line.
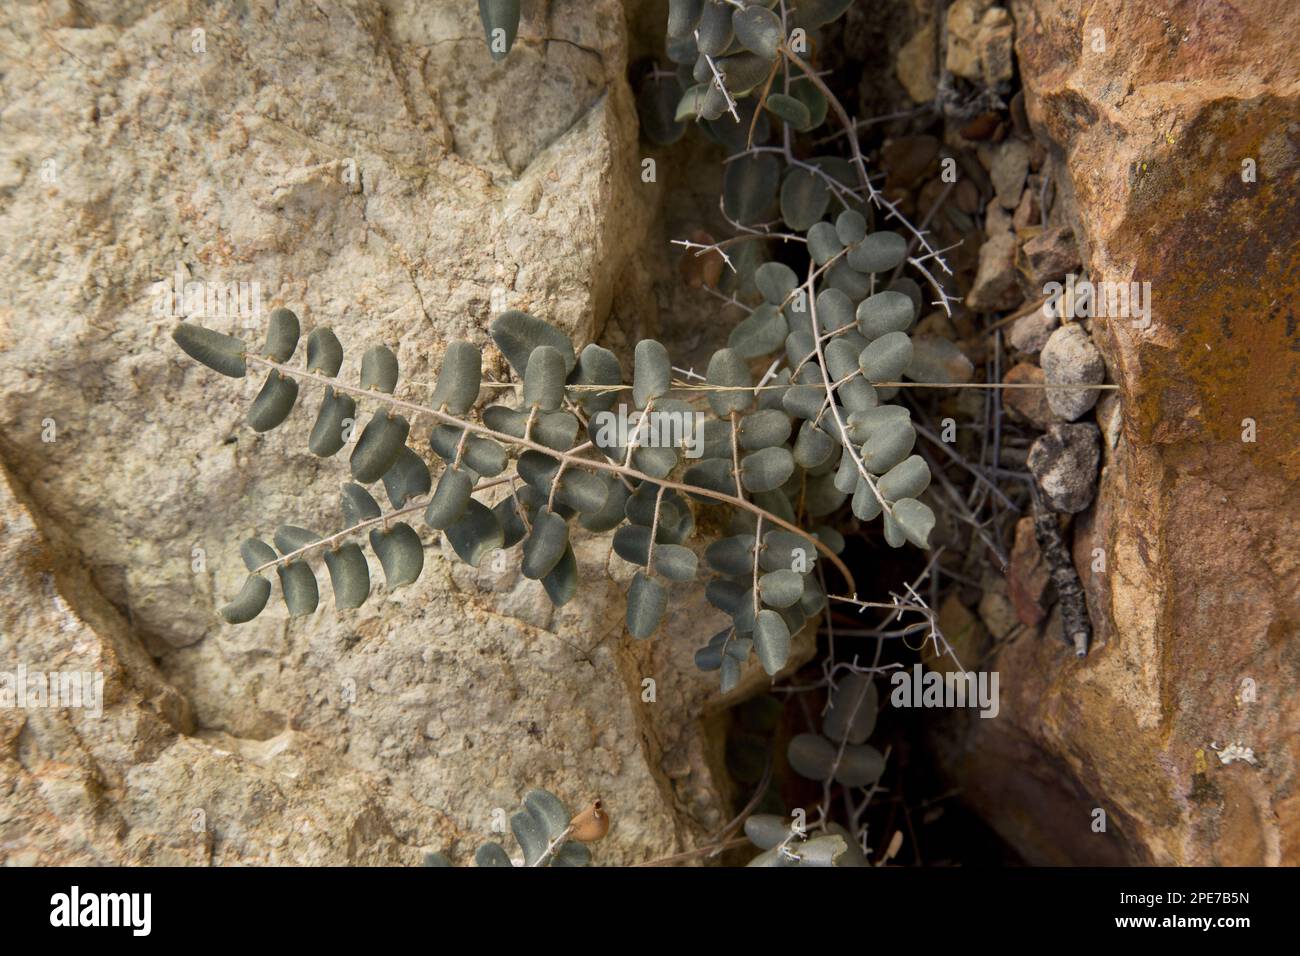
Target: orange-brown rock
[1191, 555]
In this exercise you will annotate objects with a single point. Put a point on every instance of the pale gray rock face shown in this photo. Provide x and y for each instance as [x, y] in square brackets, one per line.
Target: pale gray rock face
[1070, 358]
[370, 167]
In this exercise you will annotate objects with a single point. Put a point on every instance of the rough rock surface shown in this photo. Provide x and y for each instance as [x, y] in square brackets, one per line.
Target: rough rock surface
[1064, 462]
[369, 166]
[1191, 556]
[1070, 358]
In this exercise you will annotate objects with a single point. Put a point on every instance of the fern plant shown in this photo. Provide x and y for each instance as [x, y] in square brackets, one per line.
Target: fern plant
[796, 417]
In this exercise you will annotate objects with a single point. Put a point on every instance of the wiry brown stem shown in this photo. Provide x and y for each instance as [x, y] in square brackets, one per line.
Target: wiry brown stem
[562, 456]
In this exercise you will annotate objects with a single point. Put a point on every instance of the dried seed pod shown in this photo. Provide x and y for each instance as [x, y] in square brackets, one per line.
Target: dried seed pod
[886, 357]
[349, 575]
[450, 499]
[337, 415]
[298, 585]
[282, 331]
[476, 533]
[544, 379]
[379, 369]
[771, 640]
[459, 379]
[256, 553]
[888, 445]
[652, 373]
[358, 505]
[883, 313]
[591, 824]
[249, 602]
[728, 370]
[907, 479]
[273, 403]
[561, 582]
[324, 352]
[221, 353]
[407, 478]
[400, 553]
[545, 544]
[878, 252]
[516, 334]
[380, 443]
[646, 602]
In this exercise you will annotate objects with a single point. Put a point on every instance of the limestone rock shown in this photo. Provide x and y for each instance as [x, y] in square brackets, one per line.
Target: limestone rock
[916, 65]
[964, 22]
[1070, 358]
[1030, 332]
[368, 165]
[1046, 257]
[995, 288]
[1064, 463]
[1027, 404]
[1008, 170]
[995, 43]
